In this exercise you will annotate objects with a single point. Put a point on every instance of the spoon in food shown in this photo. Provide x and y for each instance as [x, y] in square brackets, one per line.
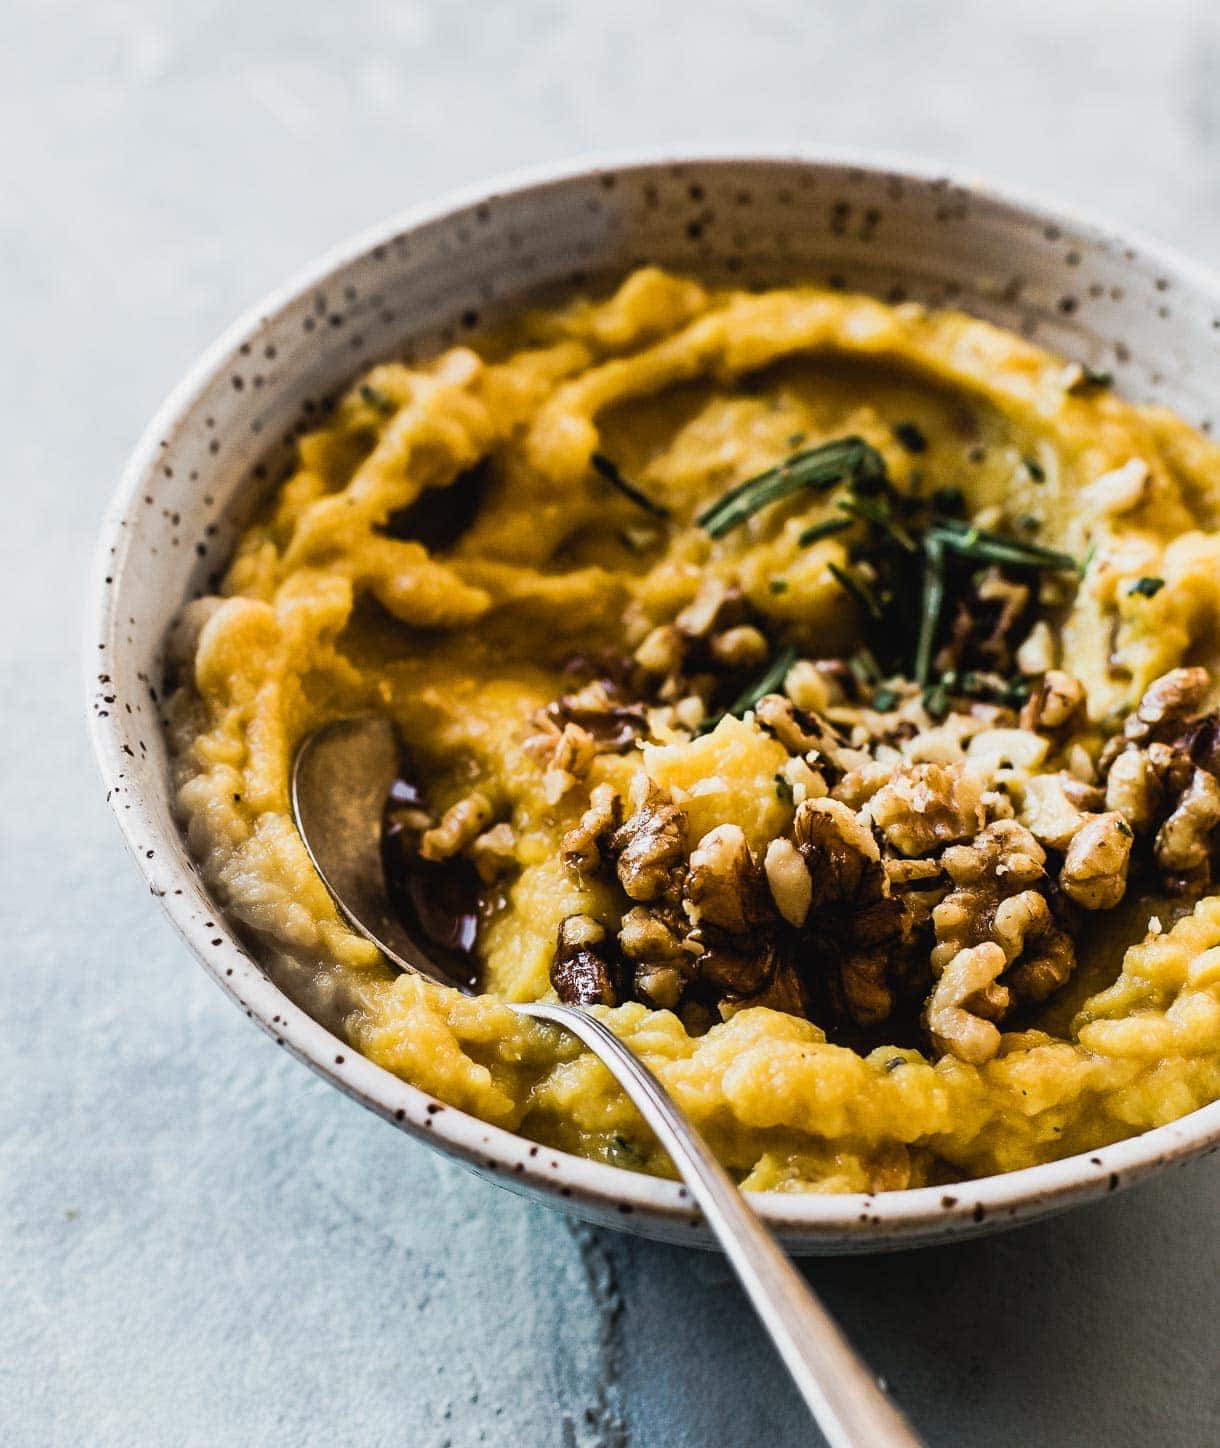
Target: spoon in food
[341, 781]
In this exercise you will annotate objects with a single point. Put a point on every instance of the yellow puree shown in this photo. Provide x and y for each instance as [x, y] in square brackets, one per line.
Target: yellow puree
[688, 391]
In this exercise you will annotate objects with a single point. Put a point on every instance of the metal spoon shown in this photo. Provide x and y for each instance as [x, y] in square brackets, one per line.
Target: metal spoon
[340, 782]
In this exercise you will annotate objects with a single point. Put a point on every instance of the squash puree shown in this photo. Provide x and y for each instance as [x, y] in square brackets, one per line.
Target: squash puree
[337, 602]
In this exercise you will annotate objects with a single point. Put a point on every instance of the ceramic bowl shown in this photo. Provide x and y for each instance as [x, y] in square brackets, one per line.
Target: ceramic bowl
[438, 274]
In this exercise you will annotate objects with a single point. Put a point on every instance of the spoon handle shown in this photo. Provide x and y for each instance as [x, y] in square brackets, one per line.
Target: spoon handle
[844, 1397]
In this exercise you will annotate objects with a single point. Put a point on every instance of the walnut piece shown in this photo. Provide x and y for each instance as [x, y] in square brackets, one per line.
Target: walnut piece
[1094, 872]
[967, 979]
[458, 826]
[788, 880]
[582, 845]
[581, 971]
[722, 882]
[1183, 843]
[999, 882]
[1057, 702]
[926, 806]
[650, 845]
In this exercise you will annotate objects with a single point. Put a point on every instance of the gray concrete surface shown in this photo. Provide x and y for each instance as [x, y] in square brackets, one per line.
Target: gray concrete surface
[200, 1243]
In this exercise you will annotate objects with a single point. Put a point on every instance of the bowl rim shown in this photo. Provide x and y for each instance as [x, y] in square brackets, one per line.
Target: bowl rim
[579, 1184]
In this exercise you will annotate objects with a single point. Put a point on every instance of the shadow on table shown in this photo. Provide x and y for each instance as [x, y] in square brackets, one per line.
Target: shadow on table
[1095, 1327]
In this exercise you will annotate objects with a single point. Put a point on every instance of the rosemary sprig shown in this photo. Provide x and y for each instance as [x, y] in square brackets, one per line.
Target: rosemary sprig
[881, 517]
[852, 584]
[609, 470]
[827, 528]
[931, 602]
[767, 683]
[819, 468]
[983, 546]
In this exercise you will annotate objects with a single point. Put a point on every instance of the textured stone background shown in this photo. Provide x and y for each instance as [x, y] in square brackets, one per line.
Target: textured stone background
[199, 1242]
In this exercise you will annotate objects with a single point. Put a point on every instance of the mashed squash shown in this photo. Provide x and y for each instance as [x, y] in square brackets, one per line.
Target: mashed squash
[884, 896]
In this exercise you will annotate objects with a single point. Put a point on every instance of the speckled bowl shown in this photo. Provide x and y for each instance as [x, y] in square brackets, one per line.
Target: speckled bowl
[440, 273]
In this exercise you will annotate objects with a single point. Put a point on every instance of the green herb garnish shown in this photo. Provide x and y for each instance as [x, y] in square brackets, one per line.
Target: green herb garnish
[931, 602]
[1090, 378]
[778, 585]
[783, 789]
[983, 546]
[819, 468]
[911, 438]
[767, 683]
[884, 698]
[827, 528]
[376, 399]
[881, 517]
[1146, 587]
[609, 470]
[1035, 469]
[859, 590]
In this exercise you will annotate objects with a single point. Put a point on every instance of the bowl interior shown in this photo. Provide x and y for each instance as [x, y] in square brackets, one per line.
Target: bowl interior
[225, 435]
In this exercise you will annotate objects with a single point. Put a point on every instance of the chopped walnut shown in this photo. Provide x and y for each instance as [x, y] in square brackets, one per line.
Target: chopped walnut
[662, 650]
[600, 711]
[926, 806]
[717, 605]
[969, 978]
[1038, 654]
[741, 647]
[650, 845]
[1183, 843]
[1094, 872]
[494, 852]
[855, 918]
[581, 971]
[1169, 700]
[1056, 704]
[458, 826]
[801, 733]
[582, 844]
[722, 883]
[575, 750]
[1049, 813]
[788, 879]
[1133, 789]
[999, 882]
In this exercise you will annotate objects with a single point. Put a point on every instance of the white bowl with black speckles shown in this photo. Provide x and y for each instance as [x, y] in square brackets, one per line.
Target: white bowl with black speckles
[437, 273]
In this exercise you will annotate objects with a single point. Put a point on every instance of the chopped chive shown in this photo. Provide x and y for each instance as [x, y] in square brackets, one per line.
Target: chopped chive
[911, 438]
[1035, 469]
[376, 399]
[865, 666]
[1146, 587]
[818, 467]
[1028, 523]
[827, 528]
[858, 589]
[767, 683]
[884, 699]
[778, 585]
[609, 470]
[783, 788]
